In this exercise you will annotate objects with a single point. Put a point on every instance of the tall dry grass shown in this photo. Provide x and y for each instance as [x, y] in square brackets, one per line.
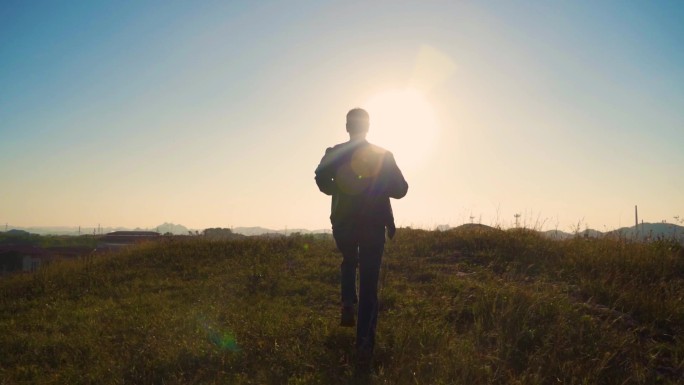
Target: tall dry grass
[479, 306]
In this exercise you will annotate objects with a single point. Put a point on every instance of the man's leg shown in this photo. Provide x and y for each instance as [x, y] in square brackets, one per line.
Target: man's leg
[371, 246]
[348, 246]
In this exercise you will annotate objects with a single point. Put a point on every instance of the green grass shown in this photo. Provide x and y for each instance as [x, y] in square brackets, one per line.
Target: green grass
[465, 307]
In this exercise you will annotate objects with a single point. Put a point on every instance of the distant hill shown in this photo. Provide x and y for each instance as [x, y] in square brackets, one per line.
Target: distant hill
[643, 231]
[557, 234]
[219, 233]
[262, 230]
[172, 228]
[18, 233]
[473, 227]
[650, 231]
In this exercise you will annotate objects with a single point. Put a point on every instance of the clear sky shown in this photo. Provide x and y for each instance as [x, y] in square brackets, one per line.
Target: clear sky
[216, 113]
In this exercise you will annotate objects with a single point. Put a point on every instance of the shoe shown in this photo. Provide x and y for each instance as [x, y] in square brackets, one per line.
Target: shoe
[347, 317]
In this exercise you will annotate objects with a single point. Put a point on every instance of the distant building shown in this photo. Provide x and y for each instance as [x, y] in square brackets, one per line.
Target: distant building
[16, 258]
[118, 239]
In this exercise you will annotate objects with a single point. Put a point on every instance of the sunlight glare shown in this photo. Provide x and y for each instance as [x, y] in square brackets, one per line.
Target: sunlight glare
[403, 122]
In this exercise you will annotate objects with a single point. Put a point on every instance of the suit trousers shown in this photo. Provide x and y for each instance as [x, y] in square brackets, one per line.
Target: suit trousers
[361, 245]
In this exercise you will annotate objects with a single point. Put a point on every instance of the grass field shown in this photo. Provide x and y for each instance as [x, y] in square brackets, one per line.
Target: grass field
[456, 307]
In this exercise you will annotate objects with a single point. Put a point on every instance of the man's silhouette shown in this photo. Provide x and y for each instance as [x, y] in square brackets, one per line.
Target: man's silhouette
[361, 178]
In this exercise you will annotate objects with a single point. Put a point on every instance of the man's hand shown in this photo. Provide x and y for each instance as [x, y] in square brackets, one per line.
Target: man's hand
[391, 230]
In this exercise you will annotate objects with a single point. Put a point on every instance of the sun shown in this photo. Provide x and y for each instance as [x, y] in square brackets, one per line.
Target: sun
[403, 122]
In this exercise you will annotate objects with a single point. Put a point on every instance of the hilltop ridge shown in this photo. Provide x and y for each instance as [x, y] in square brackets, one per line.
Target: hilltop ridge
[643, 231]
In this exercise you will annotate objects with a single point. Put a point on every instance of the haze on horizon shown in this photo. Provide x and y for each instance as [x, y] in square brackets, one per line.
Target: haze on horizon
[215, 114]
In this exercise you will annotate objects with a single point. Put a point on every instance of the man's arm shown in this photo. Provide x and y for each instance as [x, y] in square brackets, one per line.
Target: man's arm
[325, 177]
[397, 187]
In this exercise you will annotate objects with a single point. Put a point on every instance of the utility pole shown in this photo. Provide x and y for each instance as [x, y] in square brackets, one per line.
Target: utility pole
[636, 222]
[636, 216]
[674, 228]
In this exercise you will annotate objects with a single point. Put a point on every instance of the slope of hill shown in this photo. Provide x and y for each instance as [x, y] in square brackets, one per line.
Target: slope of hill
[558, 234]
[469, 227]
[651, 230]
[646, 231]
[471, 307]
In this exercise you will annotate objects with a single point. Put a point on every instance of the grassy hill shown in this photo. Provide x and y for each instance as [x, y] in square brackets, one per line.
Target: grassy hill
[457, 307]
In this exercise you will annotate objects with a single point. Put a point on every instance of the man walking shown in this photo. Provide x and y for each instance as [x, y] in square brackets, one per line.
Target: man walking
[361, 178]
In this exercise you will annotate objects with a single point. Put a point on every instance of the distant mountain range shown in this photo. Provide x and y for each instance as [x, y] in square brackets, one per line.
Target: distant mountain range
[176, 229]
[643, 231]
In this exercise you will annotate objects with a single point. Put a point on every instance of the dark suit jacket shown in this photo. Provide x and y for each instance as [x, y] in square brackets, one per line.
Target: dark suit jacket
[361, 178]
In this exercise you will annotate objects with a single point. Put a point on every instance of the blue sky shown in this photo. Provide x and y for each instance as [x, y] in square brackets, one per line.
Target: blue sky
[216, 113]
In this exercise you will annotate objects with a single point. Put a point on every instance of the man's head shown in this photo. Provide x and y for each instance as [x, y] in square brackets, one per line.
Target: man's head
[357, 121]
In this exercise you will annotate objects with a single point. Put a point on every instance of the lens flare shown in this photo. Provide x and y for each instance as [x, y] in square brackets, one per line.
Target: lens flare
[224, 340]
